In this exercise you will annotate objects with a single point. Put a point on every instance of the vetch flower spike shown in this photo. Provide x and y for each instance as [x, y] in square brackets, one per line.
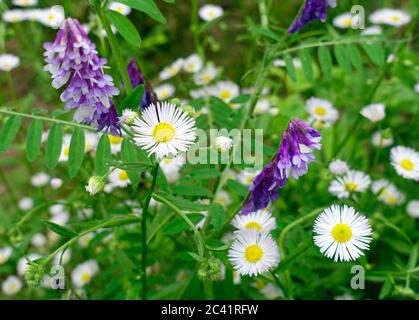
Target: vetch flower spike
[312, 10]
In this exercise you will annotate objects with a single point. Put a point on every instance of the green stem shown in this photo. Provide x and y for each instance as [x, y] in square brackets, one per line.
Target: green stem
[144, 231]
[195, 29]
[11, 87]
[121, 65]
[32, 116]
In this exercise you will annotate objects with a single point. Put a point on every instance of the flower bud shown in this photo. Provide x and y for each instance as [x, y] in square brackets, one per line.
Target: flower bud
[34, 275]
[128, 117]
[211, 269]
[95, 185]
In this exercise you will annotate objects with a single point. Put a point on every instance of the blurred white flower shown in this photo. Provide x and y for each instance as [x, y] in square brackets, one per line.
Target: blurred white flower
[225, 90]
[192, 64]
[164, 91]
[412, 208]
[392, 17]
[223, 143]
[25, 204]
[8, 62]
[119, 178]
[15, 15]
[52, 17]
[381, 140]
[406, 162]
[11, 286]
[116, 143]
[22, 263]
[56, 183]
[40, 179]
[345, 20]
[5, 254]
[206, 75]
[321, 110]
[338, 167]
[24, 3]
[119, 7]
[171, 70]
[387, 192]
[39, 240]
[352, 182]
[84, 273]
[171, 167]
[374, 112]
[210, 12]
[372, 31]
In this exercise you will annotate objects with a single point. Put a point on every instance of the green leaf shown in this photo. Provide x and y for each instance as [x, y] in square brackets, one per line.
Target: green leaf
[76, 156]
[61, 230]
[325, 61]
[184, 204]
[169, 1]
[342, 58]
[217, 216]
[413, 258]
[34, 139]
[307, 64]
[223, 247]
[103, 155]
[191, 190]
[133, 100]
[53, 146]
[354, 56]
[128, 155]
[178, 225]
[387, 287]
[149, 7]
[9, 132]
[375, 52]
[125, 27]
[290, 67]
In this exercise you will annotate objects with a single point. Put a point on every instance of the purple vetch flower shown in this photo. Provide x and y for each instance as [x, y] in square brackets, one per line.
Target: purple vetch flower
[291, 160]
[312, 10]
[72, 58]
[137, 78]
[110, 121]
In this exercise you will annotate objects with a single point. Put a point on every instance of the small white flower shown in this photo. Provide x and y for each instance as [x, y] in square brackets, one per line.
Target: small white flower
[374, 112]
[406, 162]
[58, 208]
[15, 15]
[206, 75]
[246, 176]
[164, 91]
[39, 240]
[65, 148]
[25, 204]
[342, 233]
[253, 253]
[22, 263]
[392, 17]
[353, 181]
[164, 129]
[171, 70]
[390, 59]
[11, 286]
[90, 141]
[84, 240]
[40, 179]
[321, 109]
[119, 7]
[412, 208]
[210, 12]
[281, 63]
[223, 143]
[25, 3]
[119, 178]
[8, 62]
[372, 31]
[116, 143]
[84, 273]
[56, 183]
[223, 198]
[416, 88]
[61, 218]
[192, 64]
[262, 106]
[338, 167]
[387, 192]
[382, 141]
[260, 220]
[171, 167]
[5, 254]
[346, 20]
[225, 90]
[52, 17]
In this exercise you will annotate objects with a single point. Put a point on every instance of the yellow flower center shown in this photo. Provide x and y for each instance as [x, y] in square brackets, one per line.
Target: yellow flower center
[173, 70]
[225, 94]
[164, 94]
[12, 287]
[254, 225]
[85, 277]
[51, 17]
[164, 132]
[347, 22]
[407, 164]
[392, 200]
[67, 151]
[341, 232]
[123, 176]
[253, 253]
[114, 139]
[249, 180]
[206, 77]
[395, 18]
[320, 111]
[351, 186]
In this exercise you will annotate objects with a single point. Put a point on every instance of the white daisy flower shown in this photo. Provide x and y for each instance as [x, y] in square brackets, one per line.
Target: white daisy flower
[171, 167]
[65, 148]
[39, 240]
[223, 198]
[128, 117]
[223, 143]
[412, 208]
[25, 204]
[171, 70]
[253, 253]
[84, 273]
[5, 254]
[119, 7]
[345, 21]
[52, 17]
[260, 220]
[372, 31]
[11, 286]
[381, 140]
[22, 263]
[406, 162]
[90, 141]
[119, 178]
[84, 240]
[56, 183]
[321, 109]
[246, 176]
[210, 12]
[165, 91]
[192, 64]
[61, 218]
[58, 208]
[338, 167]
[353, 181]
[262, 106]
[8, 62]
[206, 75]
[40, 179]
[15, 15]
[164, 129]
[374, 112]
[24, 3]
[392, 17]
[342, 233]
[225, 90]
[387, 192]
[116, 143]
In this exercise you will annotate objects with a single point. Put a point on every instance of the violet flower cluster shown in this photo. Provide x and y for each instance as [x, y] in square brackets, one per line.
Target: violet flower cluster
[137, 78]
[312, 10]
[291, 160]
[72, 58]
